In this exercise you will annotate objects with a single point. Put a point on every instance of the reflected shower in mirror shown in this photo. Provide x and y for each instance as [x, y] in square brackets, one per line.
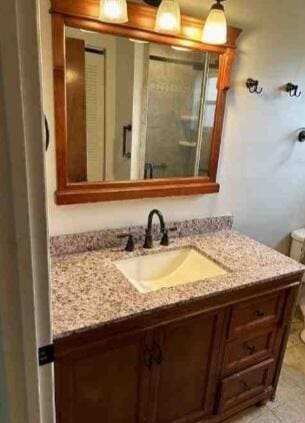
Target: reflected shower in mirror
[137, 110]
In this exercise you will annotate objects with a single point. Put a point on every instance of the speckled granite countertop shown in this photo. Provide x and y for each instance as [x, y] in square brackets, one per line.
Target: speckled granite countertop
[89, 291]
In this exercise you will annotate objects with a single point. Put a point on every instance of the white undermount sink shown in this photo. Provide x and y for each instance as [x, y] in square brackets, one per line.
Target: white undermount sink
[168, 269]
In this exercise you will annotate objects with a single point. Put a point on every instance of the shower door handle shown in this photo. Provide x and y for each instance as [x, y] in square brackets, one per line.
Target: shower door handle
[126, 128]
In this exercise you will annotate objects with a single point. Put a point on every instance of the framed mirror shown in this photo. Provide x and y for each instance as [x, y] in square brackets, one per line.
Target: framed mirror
[138, 114]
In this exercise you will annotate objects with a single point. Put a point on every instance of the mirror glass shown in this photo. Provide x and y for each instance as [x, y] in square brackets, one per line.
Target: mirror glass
[137, 110]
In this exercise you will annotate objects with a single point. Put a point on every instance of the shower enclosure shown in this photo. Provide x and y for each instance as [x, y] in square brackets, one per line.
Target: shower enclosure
[181, 91]
[137, 110]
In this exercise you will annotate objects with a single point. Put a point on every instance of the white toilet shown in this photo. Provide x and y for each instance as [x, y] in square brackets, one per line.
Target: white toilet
[297, 252]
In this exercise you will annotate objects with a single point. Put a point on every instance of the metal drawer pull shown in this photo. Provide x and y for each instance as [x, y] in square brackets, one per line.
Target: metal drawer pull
[157, 353]
[245, 385]
[251, 349]
[260, 313]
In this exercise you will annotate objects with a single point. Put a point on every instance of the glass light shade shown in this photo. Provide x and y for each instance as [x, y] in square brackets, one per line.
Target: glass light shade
[168, 17]
[178, 48]
[135, 40]
[113, 11]
[215, 28]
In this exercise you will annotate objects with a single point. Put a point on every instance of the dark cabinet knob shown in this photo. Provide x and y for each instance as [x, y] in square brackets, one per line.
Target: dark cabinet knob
[246, 386]
[260, 313]
[157, 353]
[251, 349]
[153, 355]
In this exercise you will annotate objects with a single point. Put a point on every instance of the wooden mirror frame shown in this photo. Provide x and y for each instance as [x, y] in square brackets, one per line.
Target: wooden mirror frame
[84, 14]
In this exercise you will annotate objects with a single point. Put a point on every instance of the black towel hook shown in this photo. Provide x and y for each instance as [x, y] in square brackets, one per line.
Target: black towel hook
[292, 89]
[252, 86]
[301, 136]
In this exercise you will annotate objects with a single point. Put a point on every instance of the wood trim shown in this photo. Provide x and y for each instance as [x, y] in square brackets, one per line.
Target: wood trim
[59, 74]
[140, 17]
[85, 195]
[264, 396]
[266, 366]
[84, 14]
[224, 82]
[290, 307]
[137, 183]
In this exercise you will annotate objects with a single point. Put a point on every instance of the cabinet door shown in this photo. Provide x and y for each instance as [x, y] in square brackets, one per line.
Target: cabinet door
[185, 371]
[105, 382]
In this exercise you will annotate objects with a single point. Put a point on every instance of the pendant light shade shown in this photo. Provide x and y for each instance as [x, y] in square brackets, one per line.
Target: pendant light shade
[113, 11]
[168, 17]
[215, 28]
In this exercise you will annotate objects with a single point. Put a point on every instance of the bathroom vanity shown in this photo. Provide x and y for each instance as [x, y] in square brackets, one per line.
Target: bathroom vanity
[195, 352]
[189, 332]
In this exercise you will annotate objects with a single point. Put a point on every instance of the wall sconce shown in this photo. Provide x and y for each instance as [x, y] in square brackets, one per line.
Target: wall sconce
[215, 28]
[292, 89]
[168, 18]
[113, 11]
[252, 86]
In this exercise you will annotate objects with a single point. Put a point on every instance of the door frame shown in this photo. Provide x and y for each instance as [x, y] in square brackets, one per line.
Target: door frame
[24, 259]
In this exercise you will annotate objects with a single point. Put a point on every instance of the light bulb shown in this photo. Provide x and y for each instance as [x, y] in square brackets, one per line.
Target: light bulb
[168, 17]
[135, 40]
[178, 48]
[113, 11]
[215, 28]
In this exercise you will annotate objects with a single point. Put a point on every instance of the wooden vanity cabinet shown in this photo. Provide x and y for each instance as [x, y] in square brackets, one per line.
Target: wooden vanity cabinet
[184, 382]
[104, 382]
[190, 364]
[163, 375]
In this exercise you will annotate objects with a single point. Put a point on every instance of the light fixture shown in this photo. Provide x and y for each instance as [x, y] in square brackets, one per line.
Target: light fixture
[113, 11]
[168, 18]
[215, 28]
[87, 31]
[178, 48]
[135, 40]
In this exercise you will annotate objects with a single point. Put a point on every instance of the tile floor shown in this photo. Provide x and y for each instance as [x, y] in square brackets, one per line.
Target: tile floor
[289, 406]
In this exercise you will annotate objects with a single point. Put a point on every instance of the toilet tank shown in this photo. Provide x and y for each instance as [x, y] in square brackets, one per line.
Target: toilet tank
[297, 243]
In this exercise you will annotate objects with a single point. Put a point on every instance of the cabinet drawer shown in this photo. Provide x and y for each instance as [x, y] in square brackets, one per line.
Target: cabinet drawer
[249, 350]
[245, 385]
[256, 314]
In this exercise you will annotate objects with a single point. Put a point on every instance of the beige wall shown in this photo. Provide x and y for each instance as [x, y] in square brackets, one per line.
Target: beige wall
[262, 167]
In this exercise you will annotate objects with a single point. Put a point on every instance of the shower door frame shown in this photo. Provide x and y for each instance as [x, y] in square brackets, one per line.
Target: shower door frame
[83, 14]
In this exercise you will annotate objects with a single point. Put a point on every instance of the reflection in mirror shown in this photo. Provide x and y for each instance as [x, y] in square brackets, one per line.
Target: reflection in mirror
[137, 110]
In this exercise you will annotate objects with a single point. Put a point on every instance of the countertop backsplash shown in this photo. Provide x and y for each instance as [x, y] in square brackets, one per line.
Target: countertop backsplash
[108, 238]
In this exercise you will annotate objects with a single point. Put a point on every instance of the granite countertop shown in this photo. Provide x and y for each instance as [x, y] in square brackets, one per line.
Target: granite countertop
[89, 291]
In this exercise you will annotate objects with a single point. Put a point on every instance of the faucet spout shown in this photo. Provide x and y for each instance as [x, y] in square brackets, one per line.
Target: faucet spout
[148, 237]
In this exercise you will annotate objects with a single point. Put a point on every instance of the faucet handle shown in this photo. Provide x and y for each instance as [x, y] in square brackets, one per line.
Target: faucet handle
[165, 237]
[148, 243]
[130, 246]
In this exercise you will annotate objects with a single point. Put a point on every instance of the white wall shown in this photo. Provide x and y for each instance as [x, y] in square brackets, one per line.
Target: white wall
[262, 167]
